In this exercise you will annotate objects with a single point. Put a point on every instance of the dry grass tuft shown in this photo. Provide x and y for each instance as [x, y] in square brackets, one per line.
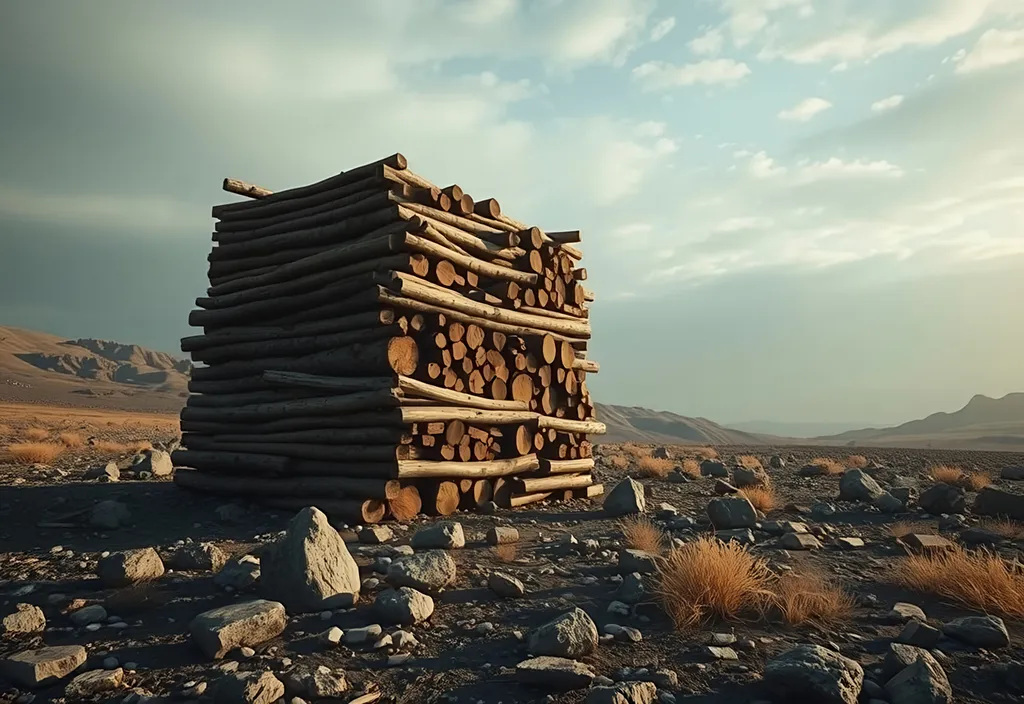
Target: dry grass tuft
[618, 461]
[809, 597]
[110, 447]
[762, 497]
[979, 580]
[690, 467]
[34, 452]
[641, 534]
[707, 579]
[506, 553]
[954, 476]
[1005, 527]
[901, 529]
[654, 467]
[828, 466]
[638, 451]
[749, 461]
[857, 461]
[71, 439]
[6, 430]
[704, 453]
[36, 434]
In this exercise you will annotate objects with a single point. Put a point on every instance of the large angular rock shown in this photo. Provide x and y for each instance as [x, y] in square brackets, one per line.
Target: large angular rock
[120, 569]
[820, 675]
[220, 630]
[923, 682]
[505, 585]
[107, 473]
[623, 693]
[992, 501]
[571, 635]
[979, 631]
[799, 541]
[943, 498]
[403, 606]
[858, 485]
[41, 667]
[443, 535]
[631, 561]
[1012, 473]
[89, 684]
[558, 674]
[24, 618]
[310, 568]
[732, 512]
[249, 688]
[714, 468]
[321, 683]
[429, 571]
[199, 556]
[238, 573]
[899, 657]
[889, 503]
[750, 476]
[156, 462]
[626, 498]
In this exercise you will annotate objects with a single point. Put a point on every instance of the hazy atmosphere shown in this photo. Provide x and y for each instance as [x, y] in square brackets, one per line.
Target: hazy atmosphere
[793, 210]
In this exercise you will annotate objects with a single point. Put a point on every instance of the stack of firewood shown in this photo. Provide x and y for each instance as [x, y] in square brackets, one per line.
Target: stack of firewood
[377, 345]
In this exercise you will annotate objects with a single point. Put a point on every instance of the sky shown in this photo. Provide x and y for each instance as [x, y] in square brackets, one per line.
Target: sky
[792, 210]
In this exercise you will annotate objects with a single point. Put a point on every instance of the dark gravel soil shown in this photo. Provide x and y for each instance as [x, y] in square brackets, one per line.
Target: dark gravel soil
[457, 659]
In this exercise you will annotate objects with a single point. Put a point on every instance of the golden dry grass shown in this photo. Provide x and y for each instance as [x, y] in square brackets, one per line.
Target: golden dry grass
[36, 434]
[618, 461]
[954, 476]
[749, 461]
[857, 461]
[1005, 527]
[506, 553]
[979, 580]
[6, 430]
[110, 447]
[34, 452]
[828, 466]
[641, 534]
[809, 597]
[69, 439]
[690, 467]
[654, 466]
[763, 498]
[704, 453]
[638, 451]
[708, 579]
[901, 529]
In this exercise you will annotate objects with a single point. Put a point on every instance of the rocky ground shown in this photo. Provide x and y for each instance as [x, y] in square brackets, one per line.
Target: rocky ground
[139, 591]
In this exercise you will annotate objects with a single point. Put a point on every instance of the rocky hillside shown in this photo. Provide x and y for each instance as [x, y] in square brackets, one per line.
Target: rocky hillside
[42, 368]
[983, 424]
[632, 423]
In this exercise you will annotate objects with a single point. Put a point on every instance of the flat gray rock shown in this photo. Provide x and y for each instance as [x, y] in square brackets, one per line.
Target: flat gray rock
[631, 561]
[429, 571]
[979, 631]
[249, 623]
[43, 666]
[558, 674]
[505, 585]
[822, 676]
[443, 535]
[93, 683]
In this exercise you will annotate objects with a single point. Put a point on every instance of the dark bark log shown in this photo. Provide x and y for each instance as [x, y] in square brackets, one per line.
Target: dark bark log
[231, 336]
[329, 487]
[288, 347]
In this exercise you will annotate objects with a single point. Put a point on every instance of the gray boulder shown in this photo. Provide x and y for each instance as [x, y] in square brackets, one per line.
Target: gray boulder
[750, 476]
[107, 473]
[238, 573]
[571, 635]
[310, 568]
[979, 631]
[943, 498]
[822, 676]
[120, 569]
[505, 585]
[199, 556]
[220, 630]
[992, 501]
[443, 535]
[732, 512]
[922, 682]
[858, 485]
[156, 462]
[559, 674]
[429, 571]
[403, 606]
[248, 688]
[899, 657]
[626, 498]
[714, 468]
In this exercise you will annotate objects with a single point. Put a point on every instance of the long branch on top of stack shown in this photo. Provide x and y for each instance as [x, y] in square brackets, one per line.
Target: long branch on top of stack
[379, 345]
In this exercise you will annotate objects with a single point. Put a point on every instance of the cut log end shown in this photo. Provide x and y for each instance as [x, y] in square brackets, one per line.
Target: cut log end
[403, 355]
[406, 505]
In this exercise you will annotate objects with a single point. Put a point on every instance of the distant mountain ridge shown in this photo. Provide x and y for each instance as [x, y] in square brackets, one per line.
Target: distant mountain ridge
[633, 423]
[795, 429]
[984, 423]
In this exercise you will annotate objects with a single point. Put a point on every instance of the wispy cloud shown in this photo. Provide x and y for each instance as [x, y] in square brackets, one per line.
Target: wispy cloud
[887, 103]
[660, 75]
[805, 110]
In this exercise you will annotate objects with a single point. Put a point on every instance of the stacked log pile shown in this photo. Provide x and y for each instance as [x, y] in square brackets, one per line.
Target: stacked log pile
[383, 346]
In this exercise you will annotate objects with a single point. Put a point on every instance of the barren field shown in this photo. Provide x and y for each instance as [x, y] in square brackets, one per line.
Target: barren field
[567, 555]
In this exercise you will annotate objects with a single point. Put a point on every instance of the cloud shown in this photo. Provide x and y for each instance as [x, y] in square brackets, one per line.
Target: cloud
[661, 30]
[140, 215]
[708, 44]
[993, 48]
[660, 75]
[835, 168]
[805, 110]
[763, 166]
[887, 103]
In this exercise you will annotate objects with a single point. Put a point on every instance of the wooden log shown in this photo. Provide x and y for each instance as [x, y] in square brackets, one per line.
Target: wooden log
[230, 336]
[306, 451]
[466, 261]
[481, 492]
[488, 207]
[334, 383]
[588, 492]
[320, 436]
[407, 504]
[291, 347]
[330, 487]
[394, 162]
[233, 185]
[413, 287]
[375, 358]
[366, 512]
[565, 236]
[244, 398]
[317, 406]
[578, 466]
[532, 485]
[517, 500]
[586, 365]
[440, 498]
[591, 427]
[466, 241]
